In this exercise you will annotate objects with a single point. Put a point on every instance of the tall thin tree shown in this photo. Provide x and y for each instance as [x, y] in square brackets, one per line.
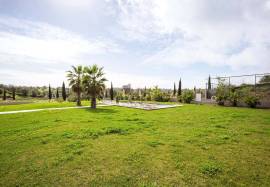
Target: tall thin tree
[209, 83]
[50, 93]
[145, 92]
[57, 93]
[13, 93]
[209, 87]
[94, 83]
[111, 91]
[179, 93]
[64, 94]
[174, 89]
[5, 94]
[75, 81]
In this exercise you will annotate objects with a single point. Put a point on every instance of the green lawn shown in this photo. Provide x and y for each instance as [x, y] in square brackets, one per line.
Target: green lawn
[39, 105]
[115, 146]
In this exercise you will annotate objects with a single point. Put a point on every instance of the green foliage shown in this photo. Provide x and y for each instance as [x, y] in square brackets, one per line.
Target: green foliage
[209, 87]
[75, 76]
[265, 79]
[57, 93]
[4, 94]
[174, 89]
[157, 95]
[64, 94]
[234, 97]
[221, 92]
[252, 101]
[179, 92]
[187, 96]
[13, 93]
[111, 92]
[94, 83]
[50, 93]
[117, 98]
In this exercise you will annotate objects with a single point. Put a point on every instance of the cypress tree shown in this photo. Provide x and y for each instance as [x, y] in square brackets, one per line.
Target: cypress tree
[208, 94]
[5, 95]
[13, 93]
[180, 88]
[111, 91]
[174, 89]
[209, 83]
[50, 93]
[57, 94]
[145, 91]
[64, 94]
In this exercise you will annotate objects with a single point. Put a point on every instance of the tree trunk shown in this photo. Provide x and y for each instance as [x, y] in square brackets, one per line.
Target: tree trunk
[79, 99]
[93, 102]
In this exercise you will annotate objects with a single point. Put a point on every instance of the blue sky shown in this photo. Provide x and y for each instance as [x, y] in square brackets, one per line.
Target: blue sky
[142, 42]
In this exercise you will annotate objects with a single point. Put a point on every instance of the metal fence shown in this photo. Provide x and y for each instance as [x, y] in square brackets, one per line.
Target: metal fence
[257, 84]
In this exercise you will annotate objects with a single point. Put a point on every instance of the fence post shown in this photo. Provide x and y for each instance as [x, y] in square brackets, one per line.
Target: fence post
[255, 83]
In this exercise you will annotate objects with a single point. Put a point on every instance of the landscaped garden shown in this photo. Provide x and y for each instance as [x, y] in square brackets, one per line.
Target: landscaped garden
[116, 146]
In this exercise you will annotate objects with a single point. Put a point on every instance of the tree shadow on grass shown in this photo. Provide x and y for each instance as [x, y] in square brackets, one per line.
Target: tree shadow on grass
[100, 110]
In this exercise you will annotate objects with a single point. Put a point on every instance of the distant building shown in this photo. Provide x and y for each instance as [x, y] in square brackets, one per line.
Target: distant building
[127, 88]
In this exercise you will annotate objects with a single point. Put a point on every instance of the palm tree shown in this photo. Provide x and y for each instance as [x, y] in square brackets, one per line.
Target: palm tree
[93, 82]
[75, 81]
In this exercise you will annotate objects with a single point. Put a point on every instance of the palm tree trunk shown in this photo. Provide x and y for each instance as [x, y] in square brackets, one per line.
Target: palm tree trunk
[94, 103]
[79, 98]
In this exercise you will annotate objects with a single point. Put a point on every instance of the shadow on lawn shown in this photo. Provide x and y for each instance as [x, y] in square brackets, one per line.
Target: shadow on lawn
[100, 110]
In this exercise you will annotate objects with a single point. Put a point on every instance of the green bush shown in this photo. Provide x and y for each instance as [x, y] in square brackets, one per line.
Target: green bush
[187, 96]
[221, 94]
[72, 98]
[252, 101]
[234, 97]
[179, 98]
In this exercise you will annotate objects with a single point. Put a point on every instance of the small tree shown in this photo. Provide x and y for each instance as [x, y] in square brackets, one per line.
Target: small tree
[187, 96]
[221, 93]
[234, 97]
[111, 91]
[93, 81]
[57, 94]
[4, 95]
[209, 87]
[13, 93]
[50, 92]
[265, 79]
[179, 93]
[75, 76]
[64, 94]
[174, 89]
[252, 101]
[144, 92]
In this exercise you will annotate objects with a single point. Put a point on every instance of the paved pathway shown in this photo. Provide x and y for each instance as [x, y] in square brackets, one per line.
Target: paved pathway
[42, 109]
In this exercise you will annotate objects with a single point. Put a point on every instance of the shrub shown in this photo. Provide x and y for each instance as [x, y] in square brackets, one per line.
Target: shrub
[72, 98]
[187, 96]
[221, 94]
[252, 101]
[117, 98]
[148, 97]
[234, 97]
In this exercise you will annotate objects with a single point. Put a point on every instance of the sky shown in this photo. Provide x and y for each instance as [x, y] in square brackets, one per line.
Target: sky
[141, 42]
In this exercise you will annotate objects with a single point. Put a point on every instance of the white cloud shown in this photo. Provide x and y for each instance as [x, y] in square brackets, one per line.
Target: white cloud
[224, 33]
[46, 42]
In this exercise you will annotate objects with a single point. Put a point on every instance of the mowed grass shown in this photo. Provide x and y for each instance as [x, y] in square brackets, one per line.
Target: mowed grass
[193, 145]
[39, 105]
